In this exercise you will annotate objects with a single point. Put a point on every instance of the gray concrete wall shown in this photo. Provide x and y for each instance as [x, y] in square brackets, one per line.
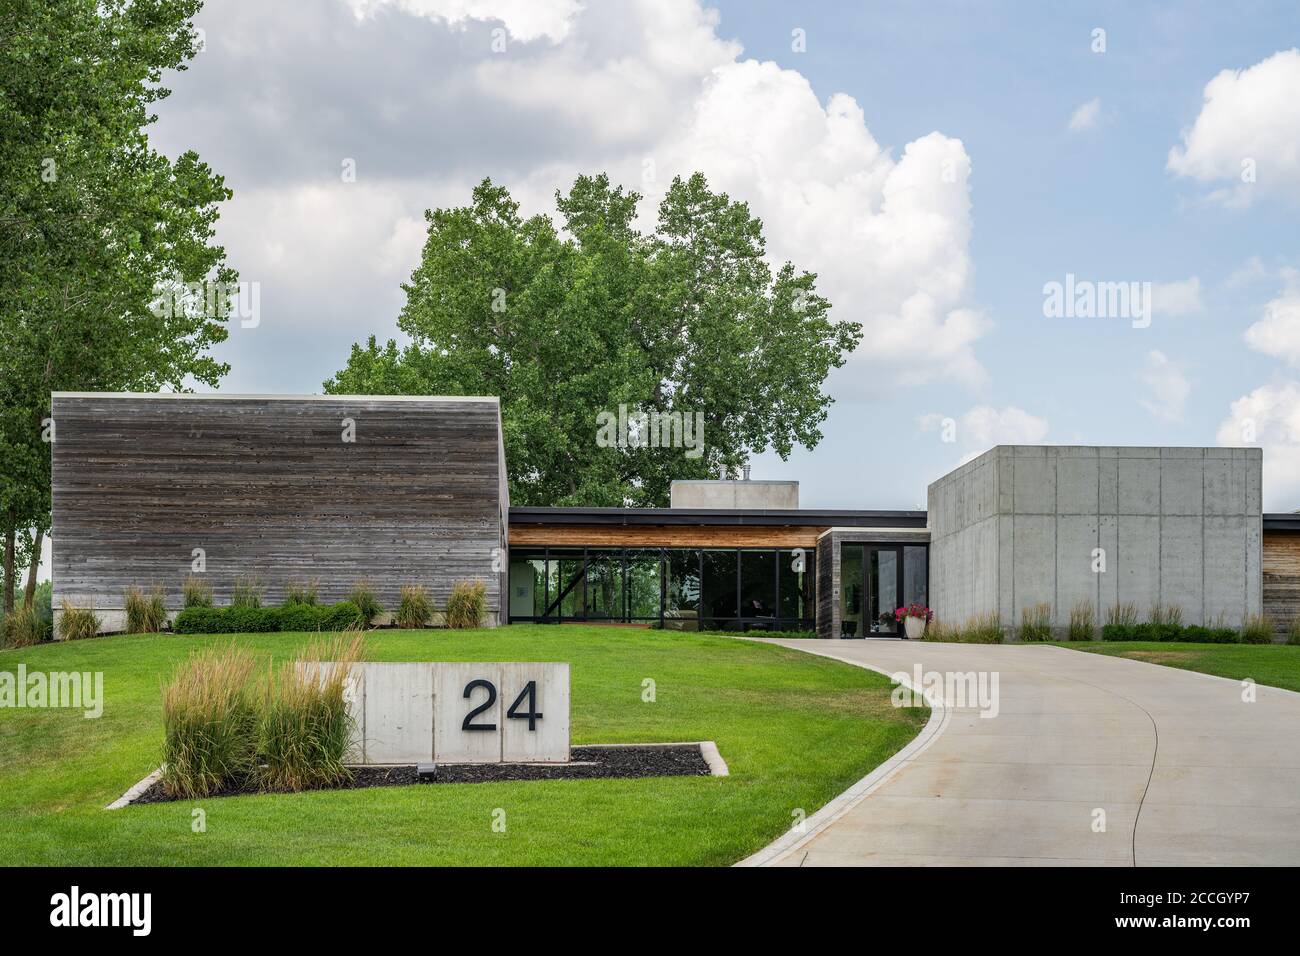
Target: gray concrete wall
[759, 495]
[1024, 524]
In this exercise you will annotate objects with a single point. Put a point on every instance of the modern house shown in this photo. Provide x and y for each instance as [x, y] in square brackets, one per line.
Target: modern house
[412, 490]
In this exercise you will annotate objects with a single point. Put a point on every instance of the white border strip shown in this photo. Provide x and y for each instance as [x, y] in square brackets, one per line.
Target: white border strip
[792, 841]
[136, 791]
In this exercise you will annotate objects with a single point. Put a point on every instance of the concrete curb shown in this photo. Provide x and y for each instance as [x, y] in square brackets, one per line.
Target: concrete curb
[791, 841]
[136, 790]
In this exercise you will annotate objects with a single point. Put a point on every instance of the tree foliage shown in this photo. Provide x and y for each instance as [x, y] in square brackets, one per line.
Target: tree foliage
[95, 227]
[565, 325]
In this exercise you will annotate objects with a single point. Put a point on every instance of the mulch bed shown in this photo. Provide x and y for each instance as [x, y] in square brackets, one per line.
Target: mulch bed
[588, 763]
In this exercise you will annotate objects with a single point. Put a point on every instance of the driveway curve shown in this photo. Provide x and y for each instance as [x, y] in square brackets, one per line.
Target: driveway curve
[1090, 760]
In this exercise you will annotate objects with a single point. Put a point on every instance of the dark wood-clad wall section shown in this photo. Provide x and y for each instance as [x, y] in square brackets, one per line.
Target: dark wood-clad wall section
[1282, 578]
[268, 487]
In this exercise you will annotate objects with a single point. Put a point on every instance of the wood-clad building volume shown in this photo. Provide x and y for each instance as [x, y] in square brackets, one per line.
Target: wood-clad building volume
[397, 490]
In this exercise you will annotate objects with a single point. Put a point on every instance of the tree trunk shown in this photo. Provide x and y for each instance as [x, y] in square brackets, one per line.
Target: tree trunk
[29, 595]
[10, 533]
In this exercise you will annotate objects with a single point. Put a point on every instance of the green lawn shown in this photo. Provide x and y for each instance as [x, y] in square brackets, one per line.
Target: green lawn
[795, 730]
[1277, 665]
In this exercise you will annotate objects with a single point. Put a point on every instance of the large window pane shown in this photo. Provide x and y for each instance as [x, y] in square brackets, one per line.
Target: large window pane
[718, 589]
[527, 584]
[604, 585]
[915, 575]
[682, 601]
[882, 581]
[564, 572]
[851, 590]
[797, 587]
[758, 587]
[643, 581]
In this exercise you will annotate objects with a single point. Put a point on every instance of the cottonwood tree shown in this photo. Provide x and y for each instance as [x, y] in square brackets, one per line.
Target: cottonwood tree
[566, 324]
[96, 228]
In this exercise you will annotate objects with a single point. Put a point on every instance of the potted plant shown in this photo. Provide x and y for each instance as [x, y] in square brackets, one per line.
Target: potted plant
[914, 618]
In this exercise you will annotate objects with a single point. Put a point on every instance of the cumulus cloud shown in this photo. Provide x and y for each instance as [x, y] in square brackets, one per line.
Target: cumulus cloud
[524, 20]
[1270, 417]
[1086, 116]
[1247, 134]
[1277, 333]
[1176, 298]
[411, 92]
[983, 426]
[1166, 387]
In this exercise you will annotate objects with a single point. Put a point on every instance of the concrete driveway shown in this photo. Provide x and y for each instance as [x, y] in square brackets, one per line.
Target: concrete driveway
[1090, 760]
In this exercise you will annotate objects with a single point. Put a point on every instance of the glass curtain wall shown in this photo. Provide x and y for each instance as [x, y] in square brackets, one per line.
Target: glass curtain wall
[684, 589]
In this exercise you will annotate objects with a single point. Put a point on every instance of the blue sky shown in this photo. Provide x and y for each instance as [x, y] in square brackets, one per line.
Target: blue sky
[947, 276]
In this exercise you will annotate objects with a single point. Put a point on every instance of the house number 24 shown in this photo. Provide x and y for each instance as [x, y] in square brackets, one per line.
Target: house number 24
[528, 695]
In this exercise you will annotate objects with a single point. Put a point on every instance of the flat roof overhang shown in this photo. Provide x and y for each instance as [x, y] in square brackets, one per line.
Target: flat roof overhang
[697, 517]
[1283, 522]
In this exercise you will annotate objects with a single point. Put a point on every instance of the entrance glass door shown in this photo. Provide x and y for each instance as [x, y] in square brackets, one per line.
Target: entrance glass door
[883, 567]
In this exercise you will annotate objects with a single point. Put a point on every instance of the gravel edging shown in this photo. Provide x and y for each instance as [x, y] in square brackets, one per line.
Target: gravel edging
[592, 762]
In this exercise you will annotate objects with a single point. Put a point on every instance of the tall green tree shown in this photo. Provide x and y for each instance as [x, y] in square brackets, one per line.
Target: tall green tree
[97, 232]
[567, 324]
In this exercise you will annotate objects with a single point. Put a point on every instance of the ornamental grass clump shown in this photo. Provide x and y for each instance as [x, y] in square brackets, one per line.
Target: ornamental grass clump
[1257, 629]
[1083, 621]
[145, 614]
[1036, 623]
[24, 627]
[363, 596]
[467, 604]
[414, 608]
[209, 724]
[247, 592]
[196, 592]
[303, 725]
[76, 623]
[302, 592]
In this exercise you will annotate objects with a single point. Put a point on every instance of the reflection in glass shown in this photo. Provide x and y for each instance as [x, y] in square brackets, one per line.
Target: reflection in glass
[882, 579]
[915, 575]
[604, 585]
[682, 600]
[643, 579]
[797, 595]
[718, 590]
[851, 591]
[758, 587]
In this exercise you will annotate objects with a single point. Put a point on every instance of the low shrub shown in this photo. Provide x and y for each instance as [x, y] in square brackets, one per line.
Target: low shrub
[303, 724]
[343, 616]
[300, 617]
[248, 592]
[76, 623]
[24, 627]
[301, 592]
[1199, 634]
[1118, 632]
[1257, 629]
[414, 609]
[144, 614]
[363, 596]
[1083, 622]
[196, 592]
[467, 604]
[209, 724]
[1036, 623]
[200, 619]
[242, 619]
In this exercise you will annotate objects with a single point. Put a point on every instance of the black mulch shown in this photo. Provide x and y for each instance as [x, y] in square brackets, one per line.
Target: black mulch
[588, 763]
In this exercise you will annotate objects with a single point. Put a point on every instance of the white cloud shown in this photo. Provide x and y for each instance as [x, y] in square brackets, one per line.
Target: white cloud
[1086, 116]
[1270, 417]
[1249, 126]
[1167, 387]
[524, 20]
[1278, 332]
[983, 426]
[1176, 298]
[1249, 271]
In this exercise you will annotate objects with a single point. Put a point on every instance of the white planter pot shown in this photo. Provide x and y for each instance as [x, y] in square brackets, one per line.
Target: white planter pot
[915, 627]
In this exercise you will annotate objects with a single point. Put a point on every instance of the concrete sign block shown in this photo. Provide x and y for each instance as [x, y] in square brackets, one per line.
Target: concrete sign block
[536, 724]
[468, 729]
[398, 712]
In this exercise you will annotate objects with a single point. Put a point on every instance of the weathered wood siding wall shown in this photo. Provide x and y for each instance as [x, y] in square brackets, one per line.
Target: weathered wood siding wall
[267, 486]
[1282, 578]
